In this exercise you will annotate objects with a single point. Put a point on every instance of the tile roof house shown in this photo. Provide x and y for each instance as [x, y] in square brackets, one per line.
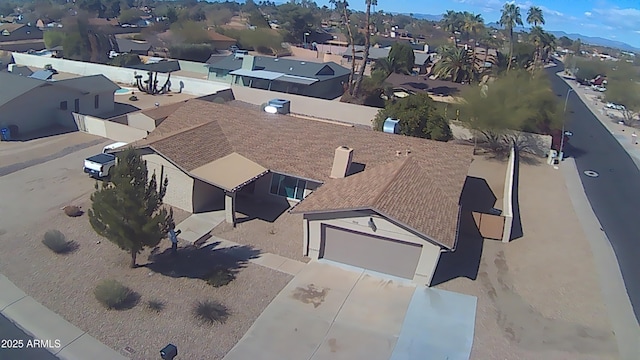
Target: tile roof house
[319, 80]
[380, 201]
[127, 46]
[55, 101]
[20, 37]
[422, 58]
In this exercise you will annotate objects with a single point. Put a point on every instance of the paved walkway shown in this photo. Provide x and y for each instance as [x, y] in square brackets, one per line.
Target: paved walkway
[620, 132]
[614, 291]
[44, 324]
[196, 230]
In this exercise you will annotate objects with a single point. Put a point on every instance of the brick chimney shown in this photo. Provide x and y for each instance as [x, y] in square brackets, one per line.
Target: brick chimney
[341, 162]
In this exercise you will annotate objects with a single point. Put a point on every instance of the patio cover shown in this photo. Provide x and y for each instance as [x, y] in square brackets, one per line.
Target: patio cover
[230, 173]
[297, 79]
[258, 74]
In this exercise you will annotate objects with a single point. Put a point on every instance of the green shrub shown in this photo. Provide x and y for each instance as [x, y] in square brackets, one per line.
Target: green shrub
[72, 211]
[191, 52]
[112, 294]
[57, 242]
[155, 305]
[210, 312]
[220, 277]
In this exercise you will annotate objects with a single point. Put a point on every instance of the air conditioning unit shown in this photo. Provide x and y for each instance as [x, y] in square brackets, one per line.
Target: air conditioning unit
[282, 105]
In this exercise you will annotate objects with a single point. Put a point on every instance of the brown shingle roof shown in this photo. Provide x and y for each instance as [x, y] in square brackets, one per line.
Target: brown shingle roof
[159, 114]
[200, 132]
[401, 190]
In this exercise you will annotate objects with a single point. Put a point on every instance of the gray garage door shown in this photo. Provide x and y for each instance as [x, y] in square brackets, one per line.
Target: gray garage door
[375, 253]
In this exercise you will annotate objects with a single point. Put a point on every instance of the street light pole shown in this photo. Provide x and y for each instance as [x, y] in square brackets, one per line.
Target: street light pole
[564, 113]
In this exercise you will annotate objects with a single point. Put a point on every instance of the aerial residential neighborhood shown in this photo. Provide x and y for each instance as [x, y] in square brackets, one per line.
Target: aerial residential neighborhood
[318, 180]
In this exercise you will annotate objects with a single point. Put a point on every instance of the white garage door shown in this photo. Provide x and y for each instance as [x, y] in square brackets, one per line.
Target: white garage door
[370, 252]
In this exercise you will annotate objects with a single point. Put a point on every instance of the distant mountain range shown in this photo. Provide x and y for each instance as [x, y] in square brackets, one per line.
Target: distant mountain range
[593, 40]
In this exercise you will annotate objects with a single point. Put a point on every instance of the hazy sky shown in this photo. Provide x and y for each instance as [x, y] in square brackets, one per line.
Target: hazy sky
[616, 20]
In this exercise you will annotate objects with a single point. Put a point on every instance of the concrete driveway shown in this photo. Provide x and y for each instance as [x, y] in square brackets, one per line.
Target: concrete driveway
[330, 312]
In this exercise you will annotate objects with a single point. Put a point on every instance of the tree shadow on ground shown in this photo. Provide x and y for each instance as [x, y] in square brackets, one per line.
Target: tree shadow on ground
[198, 263]
[129, 302]
[572, 151]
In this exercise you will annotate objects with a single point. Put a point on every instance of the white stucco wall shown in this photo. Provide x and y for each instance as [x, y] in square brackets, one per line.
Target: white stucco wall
[358, 221]
[191, 86]
[180, 188]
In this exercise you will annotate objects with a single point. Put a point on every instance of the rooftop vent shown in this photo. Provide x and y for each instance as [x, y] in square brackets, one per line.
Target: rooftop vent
[302, 63]
[341, 162]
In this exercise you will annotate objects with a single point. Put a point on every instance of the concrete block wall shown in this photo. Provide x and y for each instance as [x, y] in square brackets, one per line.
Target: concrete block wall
[121, 75]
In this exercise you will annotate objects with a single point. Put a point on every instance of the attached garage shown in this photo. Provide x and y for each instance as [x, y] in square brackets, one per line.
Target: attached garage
[369, 251]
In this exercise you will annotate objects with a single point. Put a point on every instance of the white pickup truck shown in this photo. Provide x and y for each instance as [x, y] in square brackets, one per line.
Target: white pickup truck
[100, 165]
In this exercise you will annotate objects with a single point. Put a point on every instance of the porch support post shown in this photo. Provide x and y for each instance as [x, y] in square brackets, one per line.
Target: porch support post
[230, 207]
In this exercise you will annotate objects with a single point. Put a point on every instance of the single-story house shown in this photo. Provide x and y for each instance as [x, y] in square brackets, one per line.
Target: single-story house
[422, 58]
[219, 41]
[320, 80]
[369, 199]
[20, 37]
[417, 84]
[126, 46]
[30, 105]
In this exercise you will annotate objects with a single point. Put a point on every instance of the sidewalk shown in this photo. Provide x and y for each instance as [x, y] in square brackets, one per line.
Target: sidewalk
[197, 227]
[620, 132]
[44, 324]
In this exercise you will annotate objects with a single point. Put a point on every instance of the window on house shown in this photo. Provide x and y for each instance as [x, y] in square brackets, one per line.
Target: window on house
[96, 101]
[63, 105]
[287, 186]
[76, 105]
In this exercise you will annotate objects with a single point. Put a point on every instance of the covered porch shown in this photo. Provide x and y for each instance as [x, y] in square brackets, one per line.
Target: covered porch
[231, 174]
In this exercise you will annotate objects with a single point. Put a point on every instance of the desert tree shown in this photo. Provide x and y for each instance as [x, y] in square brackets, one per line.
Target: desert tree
[128, 209]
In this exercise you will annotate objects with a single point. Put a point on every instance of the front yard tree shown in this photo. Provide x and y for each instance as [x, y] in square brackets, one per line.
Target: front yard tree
[128, 209]
[518, 101]
[418, 117]
[627, 93]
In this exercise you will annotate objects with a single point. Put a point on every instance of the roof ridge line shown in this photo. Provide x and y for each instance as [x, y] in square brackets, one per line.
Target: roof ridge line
[384, 188]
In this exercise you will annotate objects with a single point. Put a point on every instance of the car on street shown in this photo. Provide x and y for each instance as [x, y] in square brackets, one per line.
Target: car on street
[613, 106]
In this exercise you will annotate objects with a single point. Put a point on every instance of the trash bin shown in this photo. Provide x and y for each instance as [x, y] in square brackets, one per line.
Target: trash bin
[5, 134]
[169, 352]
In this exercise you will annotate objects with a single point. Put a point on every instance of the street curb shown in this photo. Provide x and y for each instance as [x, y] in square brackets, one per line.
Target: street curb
[43, 324]
[614, 292]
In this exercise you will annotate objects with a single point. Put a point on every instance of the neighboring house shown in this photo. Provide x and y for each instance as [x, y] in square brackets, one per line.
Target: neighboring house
[219, 41]
[29, 105]
[20, 37]
[126, 46]
[98, 22]
[422, 58]
[320, 80]
[374, 200]
[417, 84]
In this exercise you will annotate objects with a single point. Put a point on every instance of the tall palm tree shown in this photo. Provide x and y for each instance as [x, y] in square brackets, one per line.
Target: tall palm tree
[509, 19]
[456, 64]
[489, 42]
[367, 45]
[534, 16]
[471, 24]
[536, 36]
[342, 7]
[452, 22]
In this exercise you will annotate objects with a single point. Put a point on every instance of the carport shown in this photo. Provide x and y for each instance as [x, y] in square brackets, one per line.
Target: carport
[229, 173]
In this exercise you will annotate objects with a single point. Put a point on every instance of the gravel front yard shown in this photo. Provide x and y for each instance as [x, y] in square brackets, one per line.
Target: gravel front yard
[65, 283]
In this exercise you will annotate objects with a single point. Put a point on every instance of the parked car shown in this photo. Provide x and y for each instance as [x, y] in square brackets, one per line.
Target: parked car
[610, 105]
[598, 88]
[99, 166]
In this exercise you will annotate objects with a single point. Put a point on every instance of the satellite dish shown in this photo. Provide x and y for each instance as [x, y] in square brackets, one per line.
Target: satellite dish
[271, 109]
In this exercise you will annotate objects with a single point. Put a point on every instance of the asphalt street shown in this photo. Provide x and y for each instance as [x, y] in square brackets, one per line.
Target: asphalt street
[615, 193]
[10, 347]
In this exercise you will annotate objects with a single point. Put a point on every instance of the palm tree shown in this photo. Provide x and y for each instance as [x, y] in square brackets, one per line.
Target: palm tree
[367, 45]
[342, 6]
[489, 41]
[457, 64]
[509, 19]
[451, 22]
[534, 16]
[472, 24]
